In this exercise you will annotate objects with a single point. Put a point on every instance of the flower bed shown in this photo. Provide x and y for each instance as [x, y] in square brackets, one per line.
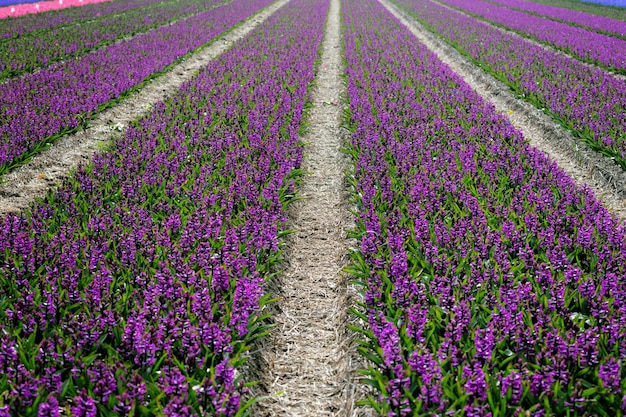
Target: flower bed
[18, 10]
[600, 23]
[14, 27]
[492, 284]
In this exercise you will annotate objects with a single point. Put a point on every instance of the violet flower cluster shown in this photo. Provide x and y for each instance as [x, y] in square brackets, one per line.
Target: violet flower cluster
[30, 52]
[37, 108]
[604, 50]
[602, 24]
[138, 286]
[493, 284]
[588, 101]
[40, 22]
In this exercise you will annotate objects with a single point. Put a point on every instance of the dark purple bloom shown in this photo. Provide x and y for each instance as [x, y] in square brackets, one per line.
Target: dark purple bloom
[84, 406]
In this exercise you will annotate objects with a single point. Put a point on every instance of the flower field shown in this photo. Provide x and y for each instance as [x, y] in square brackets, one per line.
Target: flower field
[586, 100]
[492, 283]
[39, 107]
[595, 8]
[55, 19]
[28, 53]
[604, 50]
[489, 282]
[601, 24]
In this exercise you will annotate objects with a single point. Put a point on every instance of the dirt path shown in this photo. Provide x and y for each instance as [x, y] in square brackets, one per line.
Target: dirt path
[46, 170]
[587, 167]
[305, 360]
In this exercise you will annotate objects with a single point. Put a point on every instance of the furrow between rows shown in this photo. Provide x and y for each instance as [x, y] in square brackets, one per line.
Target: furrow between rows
[306, 361]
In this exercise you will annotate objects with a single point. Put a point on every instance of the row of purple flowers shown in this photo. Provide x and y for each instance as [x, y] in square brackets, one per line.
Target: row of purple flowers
[40, 22]
[492, 284]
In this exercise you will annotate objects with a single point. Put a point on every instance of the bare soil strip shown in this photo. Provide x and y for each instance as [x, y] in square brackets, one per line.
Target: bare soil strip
[21, 186]
[305, 365]
[587, 167]
[534, 42]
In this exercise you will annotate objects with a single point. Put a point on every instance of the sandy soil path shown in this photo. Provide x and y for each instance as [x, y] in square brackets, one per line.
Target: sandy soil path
[21, 186]
[305, 362]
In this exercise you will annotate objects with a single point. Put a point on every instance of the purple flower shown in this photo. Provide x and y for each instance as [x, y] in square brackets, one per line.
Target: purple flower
[49, 408]
[84, 406]
[610, 375]
[475, 382]
[484, 341]
[512, 383]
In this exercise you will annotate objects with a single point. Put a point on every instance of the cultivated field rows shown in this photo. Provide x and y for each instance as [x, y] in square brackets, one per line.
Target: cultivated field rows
[605, 50]
[601, 24]
[42, 48]
[312, 207]
[32, 180]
